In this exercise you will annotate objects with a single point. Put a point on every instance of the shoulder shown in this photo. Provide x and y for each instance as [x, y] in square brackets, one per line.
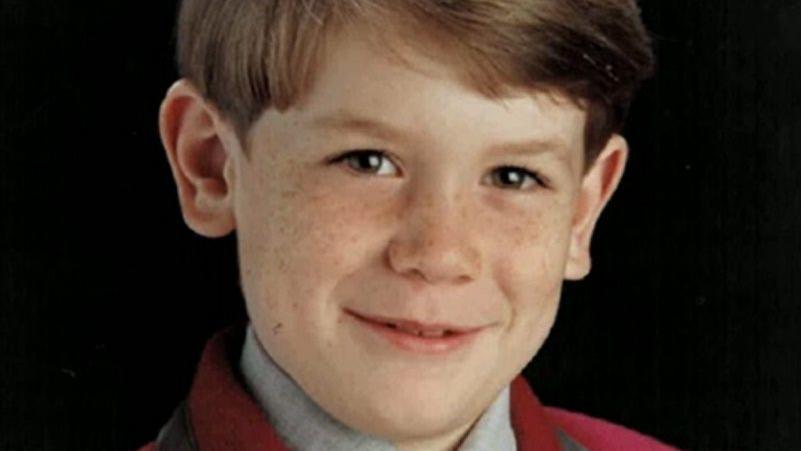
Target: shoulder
[149, 447]
[597, 434]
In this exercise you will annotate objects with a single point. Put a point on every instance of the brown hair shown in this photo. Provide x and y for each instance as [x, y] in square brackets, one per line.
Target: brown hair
[247, 55]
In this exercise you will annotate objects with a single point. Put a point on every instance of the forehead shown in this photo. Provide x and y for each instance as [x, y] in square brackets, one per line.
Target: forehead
[362, 83]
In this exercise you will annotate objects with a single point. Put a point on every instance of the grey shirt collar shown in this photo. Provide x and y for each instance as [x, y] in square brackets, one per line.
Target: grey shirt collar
[305, 426]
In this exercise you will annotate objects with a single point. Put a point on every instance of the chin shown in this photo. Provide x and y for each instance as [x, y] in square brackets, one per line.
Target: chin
[404, 415]
[407, 427]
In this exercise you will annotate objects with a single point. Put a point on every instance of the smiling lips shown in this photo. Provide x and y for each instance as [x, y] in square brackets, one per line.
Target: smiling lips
[414, 327]
[418, 338]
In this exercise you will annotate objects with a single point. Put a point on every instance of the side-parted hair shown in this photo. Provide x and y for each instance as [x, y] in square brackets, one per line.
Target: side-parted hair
[247, 55]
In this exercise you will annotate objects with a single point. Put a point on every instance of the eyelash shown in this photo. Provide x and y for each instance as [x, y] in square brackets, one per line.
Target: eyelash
[538, 180]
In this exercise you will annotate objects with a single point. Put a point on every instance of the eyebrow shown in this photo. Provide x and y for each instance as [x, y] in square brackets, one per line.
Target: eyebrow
[529, 147]
[372, 127]
[360, 124]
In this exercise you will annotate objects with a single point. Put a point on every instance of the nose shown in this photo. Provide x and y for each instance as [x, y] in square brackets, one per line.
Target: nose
[435, 240]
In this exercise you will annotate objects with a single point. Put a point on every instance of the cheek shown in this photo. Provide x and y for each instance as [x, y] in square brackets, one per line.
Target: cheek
[298, 243]
[530, 270]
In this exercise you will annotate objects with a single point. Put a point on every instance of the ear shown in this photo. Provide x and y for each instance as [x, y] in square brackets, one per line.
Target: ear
[597, 187]
[193, 136]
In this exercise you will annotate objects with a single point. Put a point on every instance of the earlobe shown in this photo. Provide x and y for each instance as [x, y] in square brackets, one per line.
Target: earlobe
[597, 187]
[191, 132]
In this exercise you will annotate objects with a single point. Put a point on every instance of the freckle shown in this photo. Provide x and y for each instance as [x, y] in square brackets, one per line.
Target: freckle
[277, 328]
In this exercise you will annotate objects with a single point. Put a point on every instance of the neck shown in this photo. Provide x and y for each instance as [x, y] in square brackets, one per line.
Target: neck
[287, 406]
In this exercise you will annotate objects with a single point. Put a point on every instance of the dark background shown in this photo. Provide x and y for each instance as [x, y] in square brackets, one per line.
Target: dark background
[685, 330]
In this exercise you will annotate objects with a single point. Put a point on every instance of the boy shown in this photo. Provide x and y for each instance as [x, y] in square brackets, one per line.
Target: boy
[410, 182]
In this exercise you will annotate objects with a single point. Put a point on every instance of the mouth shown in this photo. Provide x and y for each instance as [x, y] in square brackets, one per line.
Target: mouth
[415, 327]
[411, 335]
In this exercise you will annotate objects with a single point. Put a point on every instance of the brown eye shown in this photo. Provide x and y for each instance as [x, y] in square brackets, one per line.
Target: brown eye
[512, 177]
[367, 161]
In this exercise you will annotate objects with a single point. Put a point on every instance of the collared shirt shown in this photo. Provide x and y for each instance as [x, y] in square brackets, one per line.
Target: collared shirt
[220, 414]
[305, 426]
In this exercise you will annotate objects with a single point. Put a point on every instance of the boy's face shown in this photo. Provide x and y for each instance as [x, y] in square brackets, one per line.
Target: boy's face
[437, 232]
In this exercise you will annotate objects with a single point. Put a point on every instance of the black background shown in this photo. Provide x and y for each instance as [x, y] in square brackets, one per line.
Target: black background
[686, 329]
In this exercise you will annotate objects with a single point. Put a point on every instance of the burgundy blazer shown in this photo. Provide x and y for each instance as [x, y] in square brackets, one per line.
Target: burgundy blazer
[219, 415]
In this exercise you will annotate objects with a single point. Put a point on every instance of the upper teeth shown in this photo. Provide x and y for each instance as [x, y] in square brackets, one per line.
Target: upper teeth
[431, 333]
[437, 333]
